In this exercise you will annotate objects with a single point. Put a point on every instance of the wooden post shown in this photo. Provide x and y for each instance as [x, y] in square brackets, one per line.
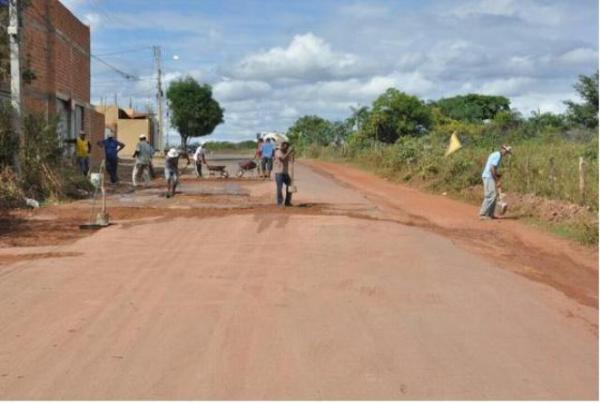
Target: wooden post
[581, 180]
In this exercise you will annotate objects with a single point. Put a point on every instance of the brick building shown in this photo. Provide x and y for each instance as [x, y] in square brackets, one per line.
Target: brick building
[56, 48]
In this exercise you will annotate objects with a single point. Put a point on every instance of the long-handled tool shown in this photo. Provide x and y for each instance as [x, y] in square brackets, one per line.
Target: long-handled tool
[101, 219]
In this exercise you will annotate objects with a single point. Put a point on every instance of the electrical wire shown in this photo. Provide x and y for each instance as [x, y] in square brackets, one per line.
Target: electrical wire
[122, 73]
[118, 52]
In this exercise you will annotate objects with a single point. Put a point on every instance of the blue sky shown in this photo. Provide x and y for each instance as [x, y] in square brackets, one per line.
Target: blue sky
[270, 62]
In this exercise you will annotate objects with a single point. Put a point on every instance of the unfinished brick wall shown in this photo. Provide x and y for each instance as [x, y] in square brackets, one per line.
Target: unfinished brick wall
[56, 47]
[95, 129]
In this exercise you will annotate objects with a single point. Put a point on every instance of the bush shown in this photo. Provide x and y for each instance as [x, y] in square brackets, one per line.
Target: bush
[44, 172]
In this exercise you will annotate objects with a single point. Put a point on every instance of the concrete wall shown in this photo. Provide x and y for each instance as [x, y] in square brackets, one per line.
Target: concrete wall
[111, 116]
[129, 132]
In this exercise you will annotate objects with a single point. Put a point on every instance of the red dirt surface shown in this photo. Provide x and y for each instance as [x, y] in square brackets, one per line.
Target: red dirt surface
[337, 299]
[571, 268]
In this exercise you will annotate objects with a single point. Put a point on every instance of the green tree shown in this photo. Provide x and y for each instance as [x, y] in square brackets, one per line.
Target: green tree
[194, 112]
[395, 114]
[358, 117]
[546, 120]
[473, 107]
[585, 114]
[311, 130]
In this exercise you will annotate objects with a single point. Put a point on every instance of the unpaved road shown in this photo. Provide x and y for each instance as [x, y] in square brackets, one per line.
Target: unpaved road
[357, 294]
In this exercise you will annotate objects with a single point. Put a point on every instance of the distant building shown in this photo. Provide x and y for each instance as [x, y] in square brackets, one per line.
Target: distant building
[128, 124]
[55, 53]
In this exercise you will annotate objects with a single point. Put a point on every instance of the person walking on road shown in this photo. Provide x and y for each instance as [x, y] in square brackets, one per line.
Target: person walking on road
[143, 158]
[83, 148]
[283, 155]
[111, 155]
[172, 170]
[199, 158]
[491, 178]
[267, 152]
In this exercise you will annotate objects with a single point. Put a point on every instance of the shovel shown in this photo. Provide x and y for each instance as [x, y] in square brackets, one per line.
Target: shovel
[101, 219]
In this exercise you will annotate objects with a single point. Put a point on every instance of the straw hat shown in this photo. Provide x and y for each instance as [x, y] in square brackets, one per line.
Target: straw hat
[173, 153]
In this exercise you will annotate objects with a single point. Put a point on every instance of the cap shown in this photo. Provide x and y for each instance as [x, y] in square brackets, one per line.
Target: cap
[142, 136]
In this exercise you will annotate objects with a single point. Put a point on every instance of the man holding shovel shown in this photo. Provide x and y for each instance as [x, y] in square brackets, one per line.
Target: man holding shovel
[491, 177]
[283, 155]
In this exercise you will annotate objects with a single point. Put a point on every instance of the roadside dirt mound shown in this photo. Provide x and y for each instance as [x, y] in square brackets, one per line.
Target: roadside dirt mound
[549, 210]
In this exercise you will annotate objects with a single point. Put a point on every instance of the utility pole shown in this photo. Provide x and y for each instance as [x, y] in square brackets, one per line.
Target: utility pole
[163, 141]
[14, 13]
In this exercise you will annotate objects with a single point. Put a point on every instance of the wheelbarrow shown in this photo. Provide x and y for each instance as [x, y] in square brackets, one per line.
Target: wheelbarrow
[245, 166]
[220, 170]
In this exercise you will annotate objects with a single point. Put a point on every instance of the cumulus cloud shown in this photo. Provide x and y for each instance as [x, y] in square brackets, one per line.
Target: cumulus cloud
[307, 56]
[579, 55]
[236, 90]
[323, 58]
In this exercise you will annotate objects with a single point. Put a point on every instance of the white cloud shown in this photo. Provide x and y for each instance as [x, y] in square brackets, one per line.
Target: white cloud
[364, 10]
[506, 86]
[321, 59]
[93, 20]
[579, 56]
[307, 56]
[238, 90]
[531, 11]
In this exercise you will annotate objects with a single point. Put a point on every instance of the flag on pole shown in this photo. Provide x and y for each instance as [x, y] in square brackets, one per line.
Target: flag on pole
[454, 145]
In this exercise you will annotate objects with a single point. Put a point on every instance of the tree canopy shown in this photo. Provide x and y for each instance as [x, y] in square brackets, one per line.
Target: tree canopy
[194, 112]
[473, 107]
[395, 114]
[312, 129]
[585, 114]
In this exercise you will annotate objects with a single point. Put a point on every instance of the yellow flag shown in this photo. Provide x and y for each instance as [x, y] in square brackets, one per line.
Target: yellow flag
[454, 145]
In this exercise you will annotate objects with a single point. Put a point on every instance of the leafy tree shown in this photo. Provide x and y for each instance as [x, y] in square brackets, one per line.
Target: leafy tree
[359, 116]
[473, 107]
[311, 130]
[547, 120]
[395, 114]
[585, 114]
[194, 112]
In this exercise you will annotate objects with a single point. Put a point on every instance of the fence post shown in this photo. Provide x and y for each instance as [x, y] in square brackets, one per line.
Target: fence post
[581, 180]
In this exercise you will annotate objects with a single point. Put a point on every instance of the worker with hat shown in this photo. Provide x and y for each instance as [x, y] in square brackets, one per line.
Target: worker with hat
[491, 182]
[83, 148]
[199, 158]
[143, 158]
[172, 169]
[112, 147]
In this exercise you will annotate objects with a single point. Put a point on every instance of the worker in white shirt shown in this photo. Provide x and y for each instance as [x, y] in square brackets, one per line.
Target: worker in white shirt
[199, 158]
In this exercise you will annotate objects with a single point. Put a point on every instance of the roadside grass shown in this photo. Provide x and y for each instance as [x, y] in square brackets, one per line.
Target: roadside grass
[542, 168]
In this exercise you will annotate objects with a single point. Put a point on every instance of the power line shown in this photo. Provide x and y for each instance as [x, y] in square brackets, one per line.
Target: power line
[124, 74]
[117, 52]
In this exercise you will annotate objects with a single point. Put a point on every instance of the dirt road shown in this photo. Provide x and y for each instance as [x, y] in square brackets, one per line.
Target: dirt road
[216, 294]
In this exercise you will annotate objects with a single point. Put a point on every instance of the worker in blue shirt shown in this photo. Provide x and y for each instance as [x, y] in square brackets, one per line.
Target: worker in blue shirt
[267, 152]
[111, 147]
[491, 178]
